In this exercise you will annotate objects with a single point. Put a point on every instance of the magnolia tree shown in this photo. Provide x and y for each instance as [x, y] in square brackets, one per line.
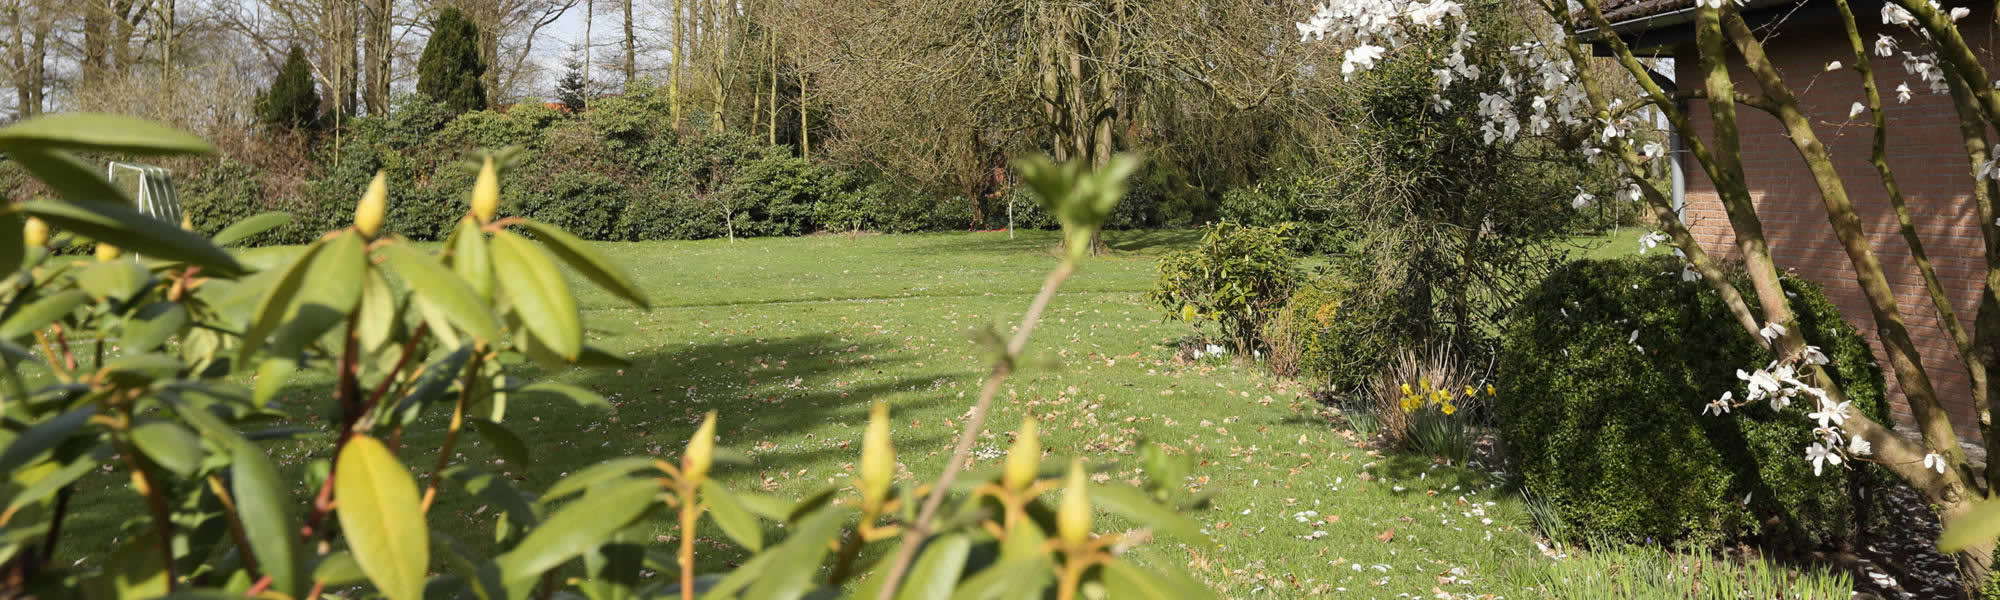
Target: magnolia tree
[1554, 80]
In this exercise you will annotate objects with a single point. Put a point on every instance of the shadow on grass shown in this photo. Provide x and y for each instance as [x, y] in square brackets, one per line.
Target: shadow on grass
[1418, 473]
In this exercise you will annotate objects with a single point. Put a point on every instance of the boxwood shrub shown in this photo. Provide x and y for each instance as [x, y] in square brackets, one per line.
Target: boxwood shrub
[1608, 427]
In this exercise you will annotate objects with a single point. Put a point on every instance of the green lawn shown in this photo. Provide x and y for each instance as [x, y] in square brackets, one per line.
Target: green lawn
[789, 340]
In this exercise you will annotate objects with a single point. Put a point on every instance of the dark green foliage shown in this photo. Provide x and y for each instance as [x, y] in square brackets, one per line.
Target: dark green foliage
[572, 90]
[1296, 198]
[1335, 336]
[1608, 429]
[450, 68]
[291, 102]
[1238, 279]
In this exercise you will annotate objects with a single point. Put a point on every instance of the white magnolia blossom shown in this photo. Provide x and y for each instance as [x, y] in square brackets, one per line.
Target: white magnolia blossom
[1934, 462]
[1360, 57]
[1651, 151]
[1688, 274]
[1830, 414]
[1903, 93]
[1631, 193]
[1960, 13]
[1650, 240]
[1833, 66]
[1855, 111]
[1772, 331]
[1986, 170]
[1896, 15]
[1885, 46]
[1719, 407]
[1820, 456]
[1859, 447]
[1582, 199]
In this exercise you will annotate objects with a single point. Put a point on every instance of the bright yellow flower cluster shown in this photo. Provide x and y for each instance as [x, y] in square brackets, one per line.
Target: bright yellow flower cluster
[1441, 397]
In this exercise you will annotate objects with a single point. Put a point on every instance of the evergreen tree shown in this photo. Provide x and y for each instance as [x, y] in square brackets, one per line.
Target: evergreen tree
[573, 91]
[450, 68]
[291, 102]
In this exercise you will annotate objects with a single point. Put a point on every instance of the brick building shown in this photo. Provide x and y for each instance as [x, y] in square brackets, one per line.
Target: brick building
[1925, 152]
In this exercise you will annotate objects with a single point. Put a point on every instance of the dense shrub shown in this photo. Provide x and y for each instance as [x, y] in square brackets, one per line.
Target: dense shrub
[1294, 198]
[1334, 336]
[1608, 428]
[1237, 279]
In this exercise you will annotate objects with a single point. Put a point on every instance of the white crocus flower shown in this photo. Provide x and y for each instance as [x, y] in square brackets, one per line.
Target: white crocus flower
[1820, 457]
[1934, 462]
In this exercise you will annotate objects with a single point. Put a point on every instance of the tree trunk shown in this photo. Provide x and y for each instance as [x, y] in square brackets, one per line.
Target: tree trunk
[96, 41]
[380, 57]
[631, 50]
[679, 62]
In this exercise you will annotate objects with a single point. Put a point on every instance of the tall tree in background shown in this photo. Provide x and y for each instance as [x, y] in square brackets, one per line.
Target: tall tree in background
[32, 23]
[450, 70]
[380, 49]
[573, 90]
[291, 102]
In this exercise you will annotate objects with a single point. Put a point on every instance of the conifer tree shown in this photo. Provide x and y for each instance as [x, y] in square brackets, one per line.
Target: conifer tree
[450, 68]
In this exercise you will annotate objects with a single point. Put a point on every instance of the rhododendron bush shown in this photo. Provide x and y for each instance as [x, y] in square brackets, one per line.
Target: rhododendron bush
[1555, 79]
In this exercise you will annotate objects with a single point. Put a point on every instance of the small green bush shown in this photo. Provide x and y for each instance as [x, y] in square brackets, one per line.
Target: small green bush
[1238, 279]
[1608, 427]
[1289, 198]
[1339, 338]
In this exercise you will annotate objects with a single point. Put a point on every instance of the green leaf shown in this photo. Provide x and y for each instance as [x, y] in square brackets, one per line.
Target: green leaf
[169, 445]
[471, 258]
[582, 397]
[593, 265]
[579, 526]
[376, 316]
[113, 280]
[70, 177]
[100, 132]
[432, 282]
[936, 572]
[1023, 543]
[727, 586]
[136, 232]
[592, 475]
[1981, 525]
[43, 437]
[263, 505]
[248, 228]
[539, 294]
[1125, 580]
[380, 513]
[141, 369]
[807, 545]
[47, 478]
[1008, 580]
[337, 570]
[271, 377]
[152, 325]
[315, 294]
[728, 512]
[1133, 504]
[41, 313]
[503, 439]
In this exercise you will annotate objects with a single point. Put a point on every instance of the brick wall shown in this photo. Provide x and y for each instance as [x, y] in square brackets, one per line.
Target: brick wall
[1928, 159]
